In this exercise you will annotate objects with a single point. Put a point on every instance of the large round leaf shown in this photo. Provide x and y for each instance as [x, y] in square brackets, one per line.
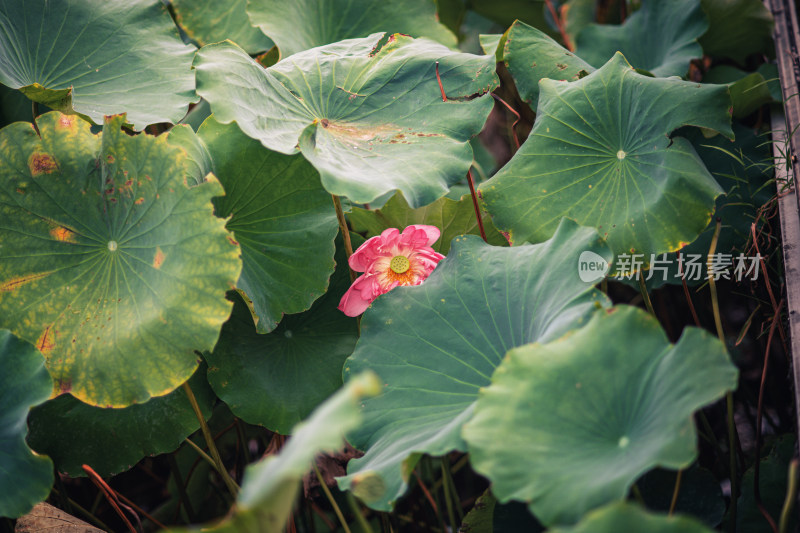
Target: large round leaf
[434, 345]
[599, 153]
[624, 517]
[532, 55]
[737, 28]
[270, 486]
[569, 425]
[111, 441]
[97, 57]
[110, 264]
[367, 113]
[25, 478]
[282, 218]
[302, 24]
[450, 216]
[211, 21]
[661, 37]
[276, 380]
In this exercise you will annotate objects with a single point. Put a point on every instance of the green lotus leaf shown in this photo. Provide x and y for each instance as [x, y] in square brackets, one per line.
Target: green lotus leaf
[481, 516]
[600, 153]
[111, 265]
[303, 24]
[270, 486]
[211, 21]
[25, 477]
[749, 91]
[577, 14]
[620, 517]
[597, 414]
[97, 58]
[661, 37]
[450, 216]
[434, 345]
[490, 44]
[770, 73]
[451, 13]
[506, 12]
[198, 158]
[276, 380]
[111, 441]
[281, 217]
[367, 113]
[532, 55]
[737, 28]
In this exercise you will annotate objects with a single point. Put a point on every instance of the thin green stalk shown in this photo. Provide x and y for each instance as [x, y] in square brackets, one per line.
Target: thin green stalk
[328, 495]
[35, 112]
[709, 432]
[791, 496]
[448, 478]
[448, 498]
[183, 498]
[645, 294]
[62, 492]
[637, 494]
[89, 516]
[348, 246]
[386, 526]
[207, 458]
[233, 488]
[675, 492]
[426, 471]
[351, 500]
[712, 284]
[242, 441]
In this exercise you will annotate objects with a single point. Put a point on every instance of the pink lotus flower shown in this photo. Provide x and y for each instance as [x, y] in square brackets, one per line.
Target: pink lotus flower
[389, 260]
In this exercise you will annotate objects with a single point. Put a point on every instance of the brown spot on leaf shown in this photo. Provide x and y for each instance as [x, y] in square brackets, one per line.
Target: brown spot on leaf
[62, 386]
[325, 122]
[139, 201]
[15, 283]
[47, 340]
[110, 159]
[233, 241]
[62, 234]
[158, 259]
[66, 121]
[40, 163]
